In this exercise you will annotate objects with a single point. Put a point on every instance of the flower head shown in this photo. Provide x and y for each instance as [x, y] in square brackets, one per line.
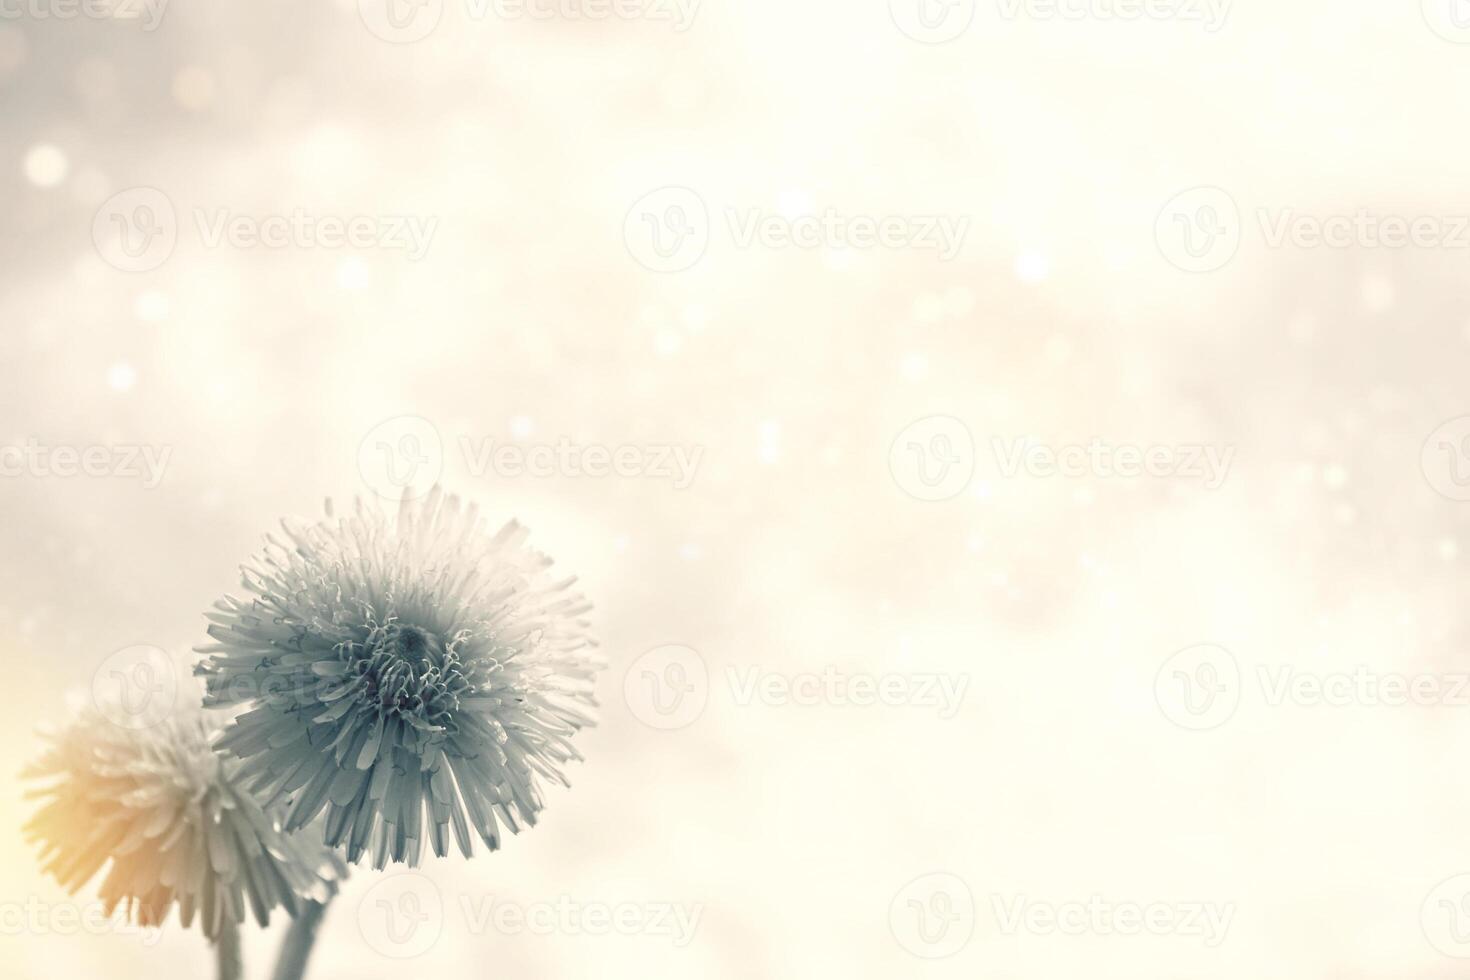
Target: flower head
[411, 676]
[173, 820]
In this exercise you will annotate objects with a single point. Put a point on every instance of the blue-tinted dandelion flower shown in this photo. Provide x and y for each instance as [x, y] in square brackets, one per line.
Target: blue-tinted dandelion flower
[409, 676]
[172, 823]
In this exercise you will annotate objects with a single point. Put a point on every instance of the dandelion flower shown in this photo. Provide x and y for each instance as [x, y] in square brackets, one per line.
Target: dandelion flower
[173, 820]
[410, 676]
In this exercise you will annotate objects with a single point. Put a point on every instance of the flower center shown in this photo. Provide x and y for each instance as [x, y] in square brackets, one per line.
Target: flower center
[415, 645]
[411, 672]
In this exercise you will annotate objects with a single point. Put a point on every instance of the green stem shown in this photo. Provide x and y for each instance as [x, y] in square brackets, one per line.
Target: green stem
[227, 948]
[296, 948]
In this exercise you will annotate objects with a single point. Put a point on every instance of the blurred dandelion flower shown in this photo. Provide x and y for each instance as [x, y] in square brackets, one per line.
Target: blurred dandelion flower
[411, 676]
[175, 823]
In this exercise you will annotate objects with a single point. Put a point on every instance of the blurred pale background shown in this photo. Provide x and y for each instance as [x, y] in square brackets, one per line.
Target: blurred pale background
[543, 310]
